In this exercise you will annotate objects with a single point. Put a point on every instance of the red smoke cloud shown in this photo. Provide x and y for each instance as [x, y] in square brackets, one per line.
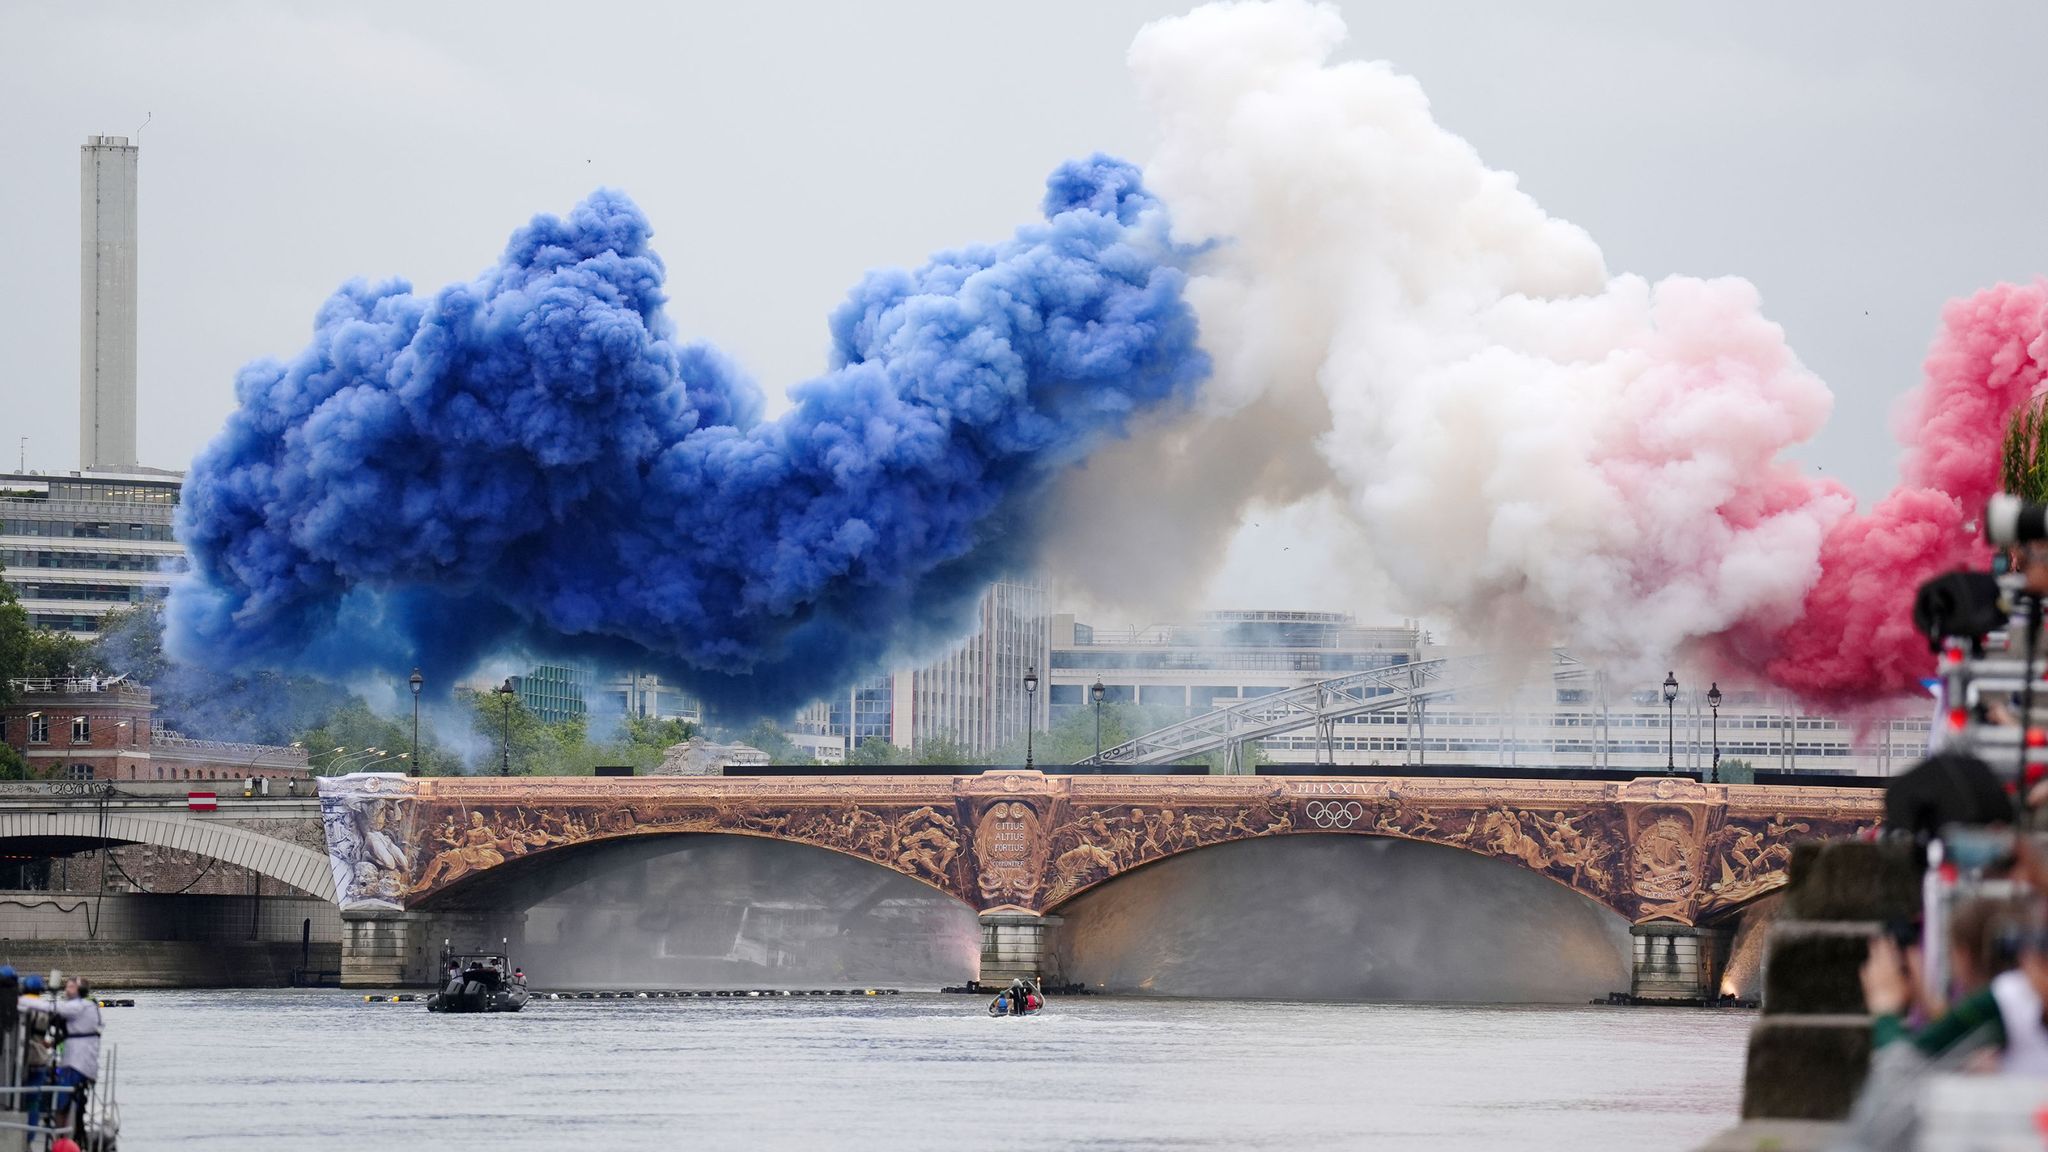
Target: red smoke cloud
[1854, 639]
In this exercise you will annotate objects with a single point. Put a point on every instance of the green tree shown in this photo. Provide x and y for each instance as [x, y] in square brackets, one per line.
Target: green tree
[2023, 461]
[31, 653]
[537, 748]
[659, 735]
[1736, 772]
[767, 736]
[14, 640]
[875, 751]
[945, 748]
[340, 742]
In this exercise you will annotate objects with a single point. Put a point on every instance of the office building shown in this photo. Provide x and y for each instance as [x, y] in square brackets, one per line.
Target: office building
[77, 546]
[1183, 669]
[973, 696]
[644, 695]
[1217, 659]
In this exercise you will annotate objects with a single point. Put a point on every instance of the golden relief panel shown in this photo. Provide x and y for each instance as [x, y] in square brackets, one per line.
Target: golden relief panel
[1096, 841]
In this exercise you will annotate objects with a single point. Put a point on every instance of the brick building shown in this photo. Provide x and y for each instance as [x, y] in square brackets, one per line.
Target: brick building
[92, 728]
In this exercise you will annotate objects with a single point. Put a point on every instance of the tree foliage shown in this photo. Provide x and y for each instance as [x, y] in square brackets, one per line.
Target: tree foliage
[31, 653]
[875, 751]
[2023, 459]
[767, 736]
[561, 748]
[1732, 771]
[258, 707]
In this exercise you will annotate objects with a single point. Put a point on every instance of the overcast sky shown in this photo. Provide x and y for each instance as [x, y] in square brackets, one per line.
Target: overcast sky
[1860, 162]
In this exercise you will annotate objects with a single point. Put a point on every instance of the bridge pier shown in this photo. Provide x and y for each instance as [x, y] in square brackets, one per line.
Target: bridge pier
[1678, 963]
[386, 948]
[383, 949]
[1015, 944]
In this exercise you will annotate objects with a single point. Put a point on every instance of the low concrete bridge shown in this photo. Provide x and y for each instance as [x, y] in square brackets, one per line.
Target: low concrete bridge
[1674, 857]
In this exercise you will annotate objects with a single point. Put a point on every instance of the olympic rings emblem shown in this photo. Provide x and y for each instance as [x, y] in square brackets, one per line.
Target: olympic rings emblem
[1334, 814]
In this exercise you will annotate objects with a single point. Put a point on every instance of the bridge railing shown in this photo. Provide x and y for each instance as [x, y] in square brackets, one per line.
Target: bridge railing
[78, 686]
[140, 790]
[1326, 701]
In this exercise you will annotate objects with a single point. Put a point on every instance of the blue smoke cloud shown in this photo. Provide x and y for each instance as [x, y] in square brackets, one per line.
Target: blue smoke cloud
[533, 461]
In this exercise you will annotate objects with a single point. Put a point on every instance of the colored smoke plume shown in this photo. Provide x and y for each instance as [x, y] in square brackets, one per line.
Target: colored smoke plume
[1535, 448]
[1854, 638]
[534, 460]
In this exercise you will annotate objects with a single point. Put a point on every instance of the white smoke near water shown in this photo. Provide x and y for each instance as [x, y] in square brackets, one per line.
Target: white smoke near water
[1527, 445]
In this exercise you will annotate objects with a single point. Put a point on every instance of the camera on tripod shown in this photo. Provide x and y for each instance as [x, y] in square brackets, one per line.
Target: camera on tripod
[1987, 682]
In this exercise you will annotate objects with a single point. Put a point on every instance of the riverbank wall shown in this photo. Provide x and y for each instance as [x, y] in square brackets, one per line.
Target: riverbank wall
[132, 940]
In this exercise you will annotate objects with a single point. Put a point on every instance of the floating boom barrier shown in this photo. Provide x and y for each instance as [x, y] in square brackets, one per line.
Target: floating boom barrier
[670, 994]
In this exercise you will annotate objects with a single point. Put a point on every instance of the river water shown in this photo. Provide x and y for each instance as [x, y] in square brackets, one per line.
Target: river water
[284, 1071]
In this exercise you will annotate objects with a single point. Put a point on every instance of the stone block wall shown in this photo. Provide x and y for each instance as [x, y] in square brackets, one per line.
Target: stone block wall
[1810, 1050]
[132, 917]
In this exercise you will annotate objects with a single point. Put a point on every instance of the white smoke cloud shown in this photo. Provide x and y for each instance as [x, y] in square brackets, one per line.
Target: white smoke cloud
[1524, 444]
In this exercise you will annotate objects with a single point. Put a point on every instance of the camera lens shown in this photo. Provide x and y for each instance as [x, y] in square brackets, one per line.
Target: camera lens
[2008, 520]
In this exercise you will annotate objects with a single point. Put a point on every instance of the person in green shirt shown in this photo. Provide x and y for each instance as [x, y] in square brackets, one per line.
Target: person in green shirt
[1980, 949]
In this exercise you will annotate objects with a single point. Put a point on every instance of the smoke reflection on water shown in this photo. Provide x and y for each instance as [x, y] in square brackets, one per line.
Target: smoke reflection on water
[738, 912]
[1308, 917]
[1343, 917]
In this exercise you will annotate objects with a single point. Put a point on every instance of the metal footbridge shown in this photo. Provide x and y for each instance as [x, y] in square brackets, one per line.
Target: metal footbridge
[1325, 702]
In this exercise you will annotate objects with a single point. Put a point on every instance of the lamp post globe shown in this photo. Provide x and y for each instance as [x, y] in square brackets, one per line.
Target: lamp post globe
[1670, 721]
[1030, 713]
[1714, 705]
[1095, 693]
[417, 682]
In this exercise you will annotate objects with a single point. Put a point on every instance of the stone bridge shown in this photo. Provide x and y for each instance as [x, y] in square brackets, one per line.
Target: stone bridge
[278, 837]
[1672, 856]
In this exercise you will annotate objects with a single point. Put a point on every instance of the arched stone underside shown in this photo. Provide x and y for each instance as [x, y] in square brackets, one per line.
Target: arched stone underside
[280, 860]
[1661, 848]
[555, 868]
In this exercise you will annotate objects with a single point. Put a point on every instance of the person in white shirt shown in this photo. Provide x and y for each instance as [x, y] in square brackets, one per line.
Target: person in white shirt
[78, 1058]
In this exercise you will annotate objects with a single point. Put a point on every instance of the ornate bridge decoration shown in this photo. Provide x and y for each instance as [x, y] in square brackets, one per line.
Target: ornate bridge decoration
[1650, 849]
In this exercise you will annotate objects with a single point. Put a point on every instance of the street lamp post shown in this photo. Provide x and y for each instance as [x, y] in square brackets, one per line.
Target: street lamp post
[416, 681]
[1095, 694]
[1714, 704]
[360, 757]
[1670, 722]
[505, 698]
[1030, 712]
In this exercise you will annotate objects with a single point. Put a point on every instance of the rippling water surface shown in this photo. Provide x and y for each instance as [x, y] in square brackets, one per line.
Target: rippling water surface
[322, 1070]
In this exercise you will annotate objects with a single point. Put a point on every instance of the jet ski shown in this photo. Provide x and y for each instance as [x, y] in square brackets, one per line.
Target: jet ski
[479, 983]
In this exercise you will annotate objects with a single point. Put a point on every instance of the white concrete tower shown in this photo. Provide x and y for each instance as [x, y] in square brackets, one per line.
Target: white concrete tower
[106, 305]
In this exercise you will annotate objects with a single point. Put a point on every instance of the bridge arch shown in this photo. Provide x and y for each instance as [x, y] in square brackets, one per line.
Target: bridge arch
[558, 867]
[1332, 916]
[282, 861]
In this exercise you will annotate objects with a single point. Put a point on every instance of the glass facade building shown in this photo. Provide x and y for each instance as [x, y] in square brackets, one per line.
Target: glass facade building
[555, 692]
